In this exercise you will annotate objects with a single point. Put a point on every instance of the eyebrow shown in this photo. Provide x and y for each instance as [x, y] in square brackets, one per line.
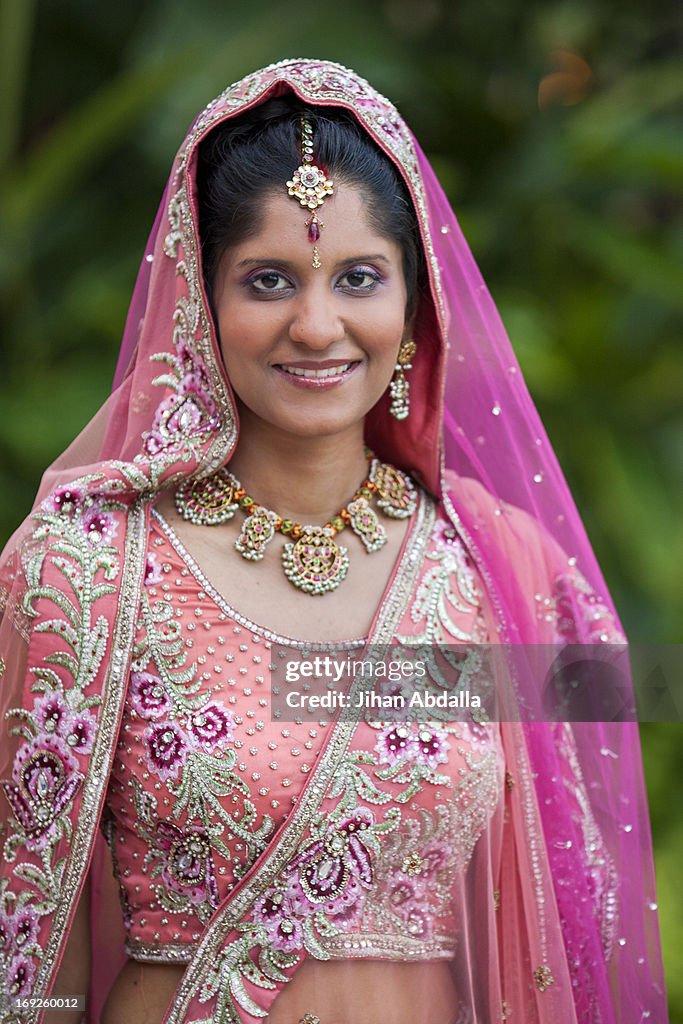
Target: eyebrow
[289, 265]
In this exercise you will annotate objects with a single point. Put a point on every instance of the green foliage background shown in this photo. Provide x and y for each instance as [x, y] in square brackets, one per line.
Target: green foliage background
[566, 188]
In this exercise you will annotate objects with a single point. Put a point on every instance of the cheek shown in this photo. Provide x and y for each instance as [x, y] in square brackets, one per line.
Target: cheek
[386, 332]
[242, 336]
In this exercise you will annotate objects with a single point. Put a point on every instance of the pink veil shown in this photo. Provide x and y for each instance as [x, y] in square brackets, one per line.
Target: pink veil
[475, 441]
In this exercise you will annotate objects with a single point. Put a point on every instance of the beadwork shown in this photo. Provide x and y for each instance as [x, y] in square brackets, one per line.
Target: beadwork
[313, 562]
[311, 186]
[399, 388]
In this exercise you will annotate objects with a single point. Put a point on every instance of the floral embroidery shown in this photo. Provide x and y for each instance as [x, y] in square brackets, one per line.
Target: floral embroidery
[18, 946]
[328, 879]
[187, 745]
[576, 610]
[599, 864]
[334, 867]
[357, 875]
[543, 978]
[450, 582]
[166, 749]
[188, 867]
[211, 726]
[453, 656]
[148, 695]
[45, 780]
[188, 415]
[426, 744]
[153, 574]
[73, 536]
[76, 728]
[180, 857]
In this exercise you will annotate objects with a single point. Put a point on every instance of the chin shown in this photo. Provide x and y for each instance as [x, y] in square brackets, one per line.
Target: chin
[321, 426]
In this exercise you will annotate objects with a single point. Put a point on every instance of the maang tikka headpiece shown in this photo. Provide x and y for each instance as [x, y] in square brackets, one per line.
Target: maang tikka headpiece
[311, 186]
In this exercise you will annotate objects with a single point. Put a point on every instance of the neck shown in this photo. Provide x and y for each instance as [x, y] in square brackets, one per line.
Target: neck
[308, 479]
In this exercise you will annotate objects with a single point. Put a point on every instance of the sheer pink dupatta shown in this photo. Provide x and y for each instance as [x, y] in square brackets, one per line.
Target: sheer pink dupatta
[494, 435]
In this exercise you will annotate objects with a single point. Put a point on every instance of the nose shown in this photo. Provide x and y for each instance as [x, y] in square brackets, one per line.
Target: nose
[316, 321]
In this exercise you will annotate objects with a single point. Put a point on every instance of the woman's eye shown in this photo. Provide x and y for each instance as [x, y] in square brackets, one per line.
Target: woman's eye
[360, 280]
[269, 281]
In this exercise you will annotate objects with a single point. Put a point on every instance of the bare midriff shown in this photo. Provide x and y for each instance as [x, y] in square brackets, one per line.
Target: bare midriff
[335, 991]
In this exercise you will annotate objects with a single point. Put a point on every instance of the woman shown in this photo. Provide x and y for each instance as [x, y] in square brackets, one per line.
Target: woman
[306, 293]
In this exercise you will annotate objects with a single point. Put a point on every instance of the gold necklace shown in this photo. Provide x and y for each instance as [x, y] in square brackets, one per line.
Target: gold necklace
[312, 561]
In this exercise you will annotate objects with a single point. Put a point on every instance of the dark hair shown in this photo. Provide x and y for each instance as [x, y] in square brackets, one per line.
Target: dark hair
[257, 152]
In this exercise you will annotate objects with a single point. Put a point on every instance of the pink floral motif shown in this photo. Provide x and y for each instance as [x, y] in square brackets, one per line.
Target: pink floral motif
[188, 864]
[45, 779]
[99, 526]
[53, 715]
[64, 500]
[333, 871]
[153, 573]
[276, 912]
[51, 712]
[431, 746]
[408, 890]
[578, 608]
[148, 695]
[393, 744]
[405, 890]
[425, 744]
[434, 857]
[80, 733]
[166, 749]
[20, 929]
[211, 726]
[20, 977]
[332, 874]
[445, 536]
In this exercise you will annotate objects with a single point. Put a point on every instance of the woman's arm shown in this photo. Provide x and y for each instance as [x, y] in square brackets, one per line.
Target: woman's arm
[73, 978]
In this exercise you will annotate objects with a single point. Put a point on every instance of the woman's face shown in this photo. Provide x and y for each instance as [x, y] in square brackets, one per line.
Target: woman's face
[309, 352]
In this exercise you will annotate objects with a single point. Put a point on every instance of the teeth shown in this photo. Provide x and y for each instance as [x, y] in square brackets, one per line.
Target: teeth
[331, 371]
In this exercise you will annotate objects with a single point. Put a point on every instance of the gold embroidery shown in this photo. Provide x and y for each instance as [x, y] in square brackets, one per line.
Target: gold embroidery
[543, 978]
[105, 738]
[208, 955]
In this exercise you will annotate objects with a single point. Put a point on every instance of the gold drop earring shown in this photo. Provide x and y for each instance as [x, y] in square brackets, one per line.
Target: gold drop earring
[399, 386]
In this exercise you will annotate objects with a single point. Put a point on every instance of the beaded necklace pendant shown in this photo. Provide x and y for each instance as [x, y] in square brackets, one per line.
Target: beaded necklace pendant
[258, 529]
[366, 525]
[210, 501]
[315, 563]
[396, 495]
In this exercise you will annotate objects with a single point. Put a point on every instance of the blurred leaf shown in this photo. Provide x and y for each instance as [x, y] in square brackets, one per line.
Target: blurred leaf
[642, 265]
[82, 139]
[16, 24]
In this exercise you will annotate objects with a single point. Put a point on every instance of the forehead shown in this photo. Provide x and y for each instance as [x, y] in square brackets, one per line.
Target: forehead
[344, 219]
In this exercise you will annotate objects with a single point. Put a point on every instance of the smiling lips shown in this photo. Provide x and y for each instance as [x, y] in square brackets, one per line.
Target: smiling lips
[317, 375]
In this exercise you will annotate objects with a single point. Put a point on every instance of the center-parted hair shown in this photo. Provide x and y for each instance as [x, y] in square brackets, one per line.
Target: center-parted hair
[243, 160]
